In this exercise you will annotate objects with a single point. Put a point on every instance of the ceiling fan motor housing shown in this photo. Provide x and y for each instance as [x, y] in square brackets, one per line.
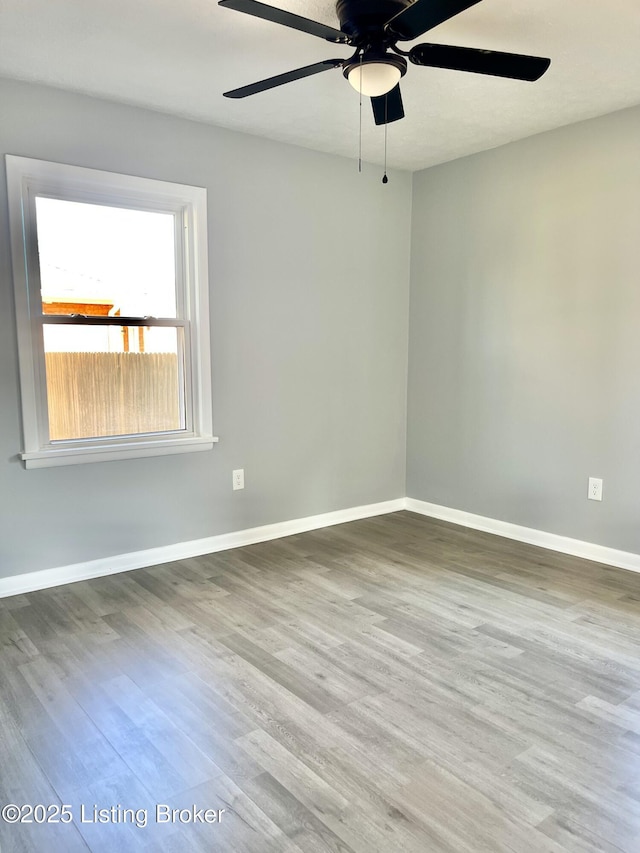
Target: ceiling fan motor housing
[363, 20]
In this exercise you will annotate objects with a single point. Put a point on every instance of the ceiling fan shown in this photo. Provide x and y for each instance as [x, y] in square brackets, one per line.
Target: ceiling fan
[374, 27]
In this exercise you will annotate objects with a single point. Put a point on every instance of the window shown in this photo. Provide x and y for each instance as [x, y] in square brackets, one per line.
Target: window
[111, 283]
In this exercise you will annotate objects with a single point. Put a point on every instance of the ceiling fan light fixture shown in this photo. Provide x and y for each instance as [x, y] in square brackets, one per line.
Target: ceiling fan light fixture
[374, 78]
[375, 75]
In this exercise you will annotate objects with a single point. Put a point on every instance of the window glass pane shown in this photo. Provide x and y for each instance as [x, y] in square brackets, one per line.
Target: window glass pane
[101, 260]
[96, 386]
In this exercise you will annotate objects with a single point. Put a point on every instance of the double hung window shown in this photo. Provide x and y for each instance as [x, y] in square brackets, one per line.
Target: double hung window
[111, 288]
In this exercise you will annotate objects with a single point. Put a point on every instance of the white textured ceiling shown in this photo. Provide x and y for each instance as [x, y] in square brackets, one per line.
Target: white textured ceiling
[178, 56]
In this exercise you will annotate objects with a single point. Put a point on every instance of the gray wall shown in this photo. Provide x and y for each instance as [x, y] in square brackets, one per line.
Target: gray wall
[524, 360]
[309, 267]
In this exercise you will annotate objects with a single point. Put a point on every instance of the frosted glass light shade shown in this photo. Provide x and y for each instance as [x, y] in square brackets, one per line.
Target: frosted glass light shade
[374, 78]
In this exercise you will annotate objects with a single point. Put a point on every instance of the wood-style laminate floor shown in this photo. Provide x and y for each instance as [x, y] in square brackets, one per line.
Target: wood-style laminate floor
[389, 685]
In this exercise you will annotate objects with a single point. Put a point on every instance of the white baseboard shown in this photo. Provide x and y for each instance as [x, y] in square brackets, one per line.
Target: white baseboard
[32, 581]
[575, 547]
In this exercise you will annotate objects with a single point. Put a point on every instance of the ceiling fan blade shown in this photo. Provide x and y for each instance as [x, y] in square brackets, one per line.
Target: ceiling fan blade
[287, 19]
[388, 108]
[514, 65]
[423, 15]
[281, 79]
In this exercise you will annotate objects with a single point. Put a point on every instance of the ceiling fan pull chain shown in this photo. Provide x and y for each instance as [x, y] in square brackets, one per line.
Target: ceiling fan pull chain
[360, 131]
[385, 179]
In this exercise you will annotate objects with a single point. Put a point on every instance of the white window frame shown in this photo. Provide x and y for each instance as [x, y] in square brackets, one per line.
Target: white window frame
[27, 179]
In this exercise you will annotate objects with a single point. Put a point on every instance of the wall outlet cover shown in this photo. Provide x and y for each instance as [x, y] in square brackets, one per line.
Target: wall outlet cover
[595, 489]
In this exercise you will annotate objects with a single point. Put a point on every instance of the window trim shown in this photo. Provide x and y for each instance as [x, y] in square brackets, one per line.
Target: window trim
[28, 178]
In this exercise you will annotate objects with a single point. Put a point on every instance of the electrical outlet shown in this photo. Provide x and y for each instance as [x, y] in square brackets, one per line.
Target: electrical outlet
[595, 489]
[238, 479]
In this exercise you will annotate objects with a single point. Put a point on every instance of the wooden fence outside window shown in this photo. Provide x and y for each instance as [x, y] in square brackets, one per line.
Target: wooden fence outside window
[111, 393]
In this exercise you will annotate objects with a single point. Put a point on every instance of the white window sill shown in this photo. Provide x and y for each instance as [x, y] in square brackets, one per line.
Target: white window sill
[79, 455]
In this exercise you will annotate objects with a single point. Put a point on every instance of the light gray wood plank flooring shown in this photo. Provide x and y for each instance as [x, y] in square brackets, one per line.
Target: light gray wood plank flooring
[394, 684]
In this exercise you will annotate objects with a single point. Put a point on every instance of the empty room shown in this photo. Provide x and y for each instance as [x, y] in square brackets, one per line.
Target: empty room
[319, 426]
